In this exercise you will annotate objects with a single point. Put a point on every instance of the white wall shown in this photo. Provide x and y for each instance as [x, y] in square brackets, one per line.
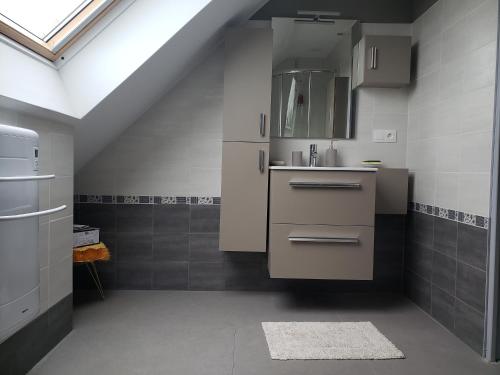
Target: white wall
[56, 231]
[173, 149]
[129, 41]
[451, 105]
[30, 80]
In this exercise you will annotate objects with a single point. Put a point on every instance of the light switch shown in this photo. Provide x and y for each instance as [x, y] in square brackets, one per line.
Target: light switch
[385, 136]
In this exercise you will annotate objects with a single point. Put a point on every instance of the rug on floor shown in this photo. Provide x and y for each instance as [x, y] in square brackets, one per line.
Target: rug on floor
[328, 340]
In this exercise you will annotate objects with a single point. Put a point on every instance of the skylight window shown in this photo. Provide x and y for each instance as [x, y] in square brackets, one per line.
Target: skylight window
[41, 18]
[49, 26]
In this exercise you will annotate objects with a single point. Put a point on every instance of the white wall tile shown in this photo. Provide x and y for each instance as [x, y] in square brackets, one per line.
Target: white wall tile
[43, 244]
[474, 193]
[62, 154]
[177, 138]
[429, 57]
[447, 190]
[61, 239]
[475, 152]
[450, 138]
[61, 193]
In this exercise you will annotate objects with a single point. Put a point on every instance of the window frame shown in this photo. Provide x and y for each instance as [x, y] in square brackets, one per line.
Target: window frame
[65, 37]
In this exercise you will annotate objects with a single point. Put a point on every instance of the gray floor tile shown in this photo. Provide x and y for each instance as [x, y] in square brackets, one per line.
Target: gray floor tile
[188, 333]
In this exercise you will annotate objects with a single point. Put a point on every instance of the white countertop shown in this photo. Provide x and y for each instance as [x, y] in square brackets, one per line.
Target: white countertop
[342, 169]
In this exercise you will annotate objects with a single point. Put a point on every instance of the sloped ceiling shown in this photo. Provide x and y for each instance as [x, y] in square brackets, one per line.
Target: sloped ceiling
[119, 73]
[158, 74]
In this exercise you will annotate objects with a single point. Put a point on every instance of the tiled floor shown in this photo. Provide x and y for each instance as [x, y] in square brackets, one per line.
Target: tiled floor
[187, 332]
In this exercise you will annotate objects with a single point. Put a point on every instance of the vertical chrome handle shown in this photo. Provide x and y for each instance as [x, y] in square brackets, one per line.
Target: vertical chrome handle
[375, 57]
[261, 161]
[262, 126]
[372, 58]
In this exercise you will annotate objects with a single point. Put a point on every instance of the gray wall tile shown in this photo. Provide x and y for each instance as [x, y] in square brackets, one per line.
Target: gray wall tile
[170, 275]
[469, 326]
[424, 229]
[134, 218]
[443, 307]
[418, 259]
[419, 290]
[444, 270]
[170, 246]
[471, 286]
[245, 276]
[472, 245]
[205, 247]
[205, 219]
[134, 276]
[97, 215]
[171, 218]
[206, 276]
[20, 352]
[134, 247]
[445, 236]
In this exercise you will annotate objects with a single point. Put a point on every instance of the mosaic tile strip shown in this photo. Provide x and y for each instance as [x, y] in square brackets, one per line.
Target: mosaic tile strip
[145, 199]
[444, 213]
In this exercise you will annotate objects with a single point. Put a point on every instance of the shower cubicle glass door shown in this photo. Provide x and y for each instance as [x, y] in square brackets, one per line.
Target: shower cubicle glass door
[303, 104]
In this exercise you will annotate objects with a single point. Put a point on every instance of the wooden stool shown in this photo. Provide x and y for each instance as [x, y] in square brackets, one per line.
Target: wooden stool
[88, 255]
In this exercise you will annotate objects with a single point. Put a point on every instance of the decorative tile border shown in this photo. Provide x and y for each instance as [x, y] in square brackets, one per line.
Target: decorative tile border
[144, 199]
[444, 213]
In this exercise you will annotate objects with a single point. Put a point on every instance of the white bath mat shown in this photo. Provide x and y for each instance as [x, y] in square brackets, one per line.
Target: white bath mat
[327, 340]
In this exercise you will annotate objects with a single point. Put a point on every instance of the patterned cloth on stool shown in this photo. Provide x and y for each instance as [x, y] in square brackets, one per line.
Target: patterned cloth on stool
[88, 255]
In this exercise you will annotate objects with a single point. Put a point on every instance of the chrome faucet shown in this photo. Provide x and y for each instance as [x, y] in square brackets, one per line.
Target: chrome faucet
[313, 155]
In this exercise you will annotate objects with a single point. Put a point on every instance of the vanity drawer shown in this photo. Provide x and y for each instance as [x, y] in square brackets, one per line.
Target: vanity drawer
[321, 252]
[322, 197]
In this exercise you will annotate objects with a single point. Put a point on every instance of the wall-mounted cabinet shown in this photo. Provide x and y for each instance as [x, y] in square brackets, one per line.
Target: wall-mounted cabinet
[382, 61]
[247, 84]
[245, 151]
[321, 224]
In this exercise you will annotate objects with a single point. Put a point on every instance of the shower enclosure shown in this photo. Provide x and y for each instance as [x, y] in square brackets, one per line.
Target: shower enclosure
[310, 104]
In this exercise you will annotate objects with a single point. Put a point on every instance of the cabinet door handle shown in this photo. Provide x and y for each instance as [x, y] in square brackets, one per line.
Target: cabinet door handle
[372, 58]
[262, 125]
[375, 58]
[351, 240]
[324, 184]
[261, 161]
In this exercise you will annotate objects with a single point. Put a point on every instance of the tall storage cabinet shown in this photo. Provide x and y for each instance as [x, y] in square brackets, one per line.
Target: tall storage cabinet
[245, 151]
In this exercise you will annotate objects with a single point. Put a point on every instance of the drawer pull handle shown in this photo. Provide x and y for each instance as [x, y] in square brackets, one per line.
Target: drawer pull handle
[352, 240]
[324, 184]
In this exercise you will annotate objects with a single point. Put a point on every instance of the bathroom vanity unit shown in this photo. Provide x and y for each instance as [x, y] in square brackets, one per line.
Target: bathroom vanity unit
[321, 223]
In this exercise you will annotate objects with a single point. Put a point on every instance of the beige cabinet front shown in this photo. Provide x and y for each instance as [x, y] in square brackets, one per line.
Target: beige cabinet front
[247, 84]
[323, 197]
[321, 252]
[243, 222]
[382, 61]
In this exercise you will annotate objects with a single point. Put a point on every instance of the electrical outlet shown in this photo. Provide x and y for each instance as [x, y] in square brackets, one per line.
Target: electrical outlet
[385, 136]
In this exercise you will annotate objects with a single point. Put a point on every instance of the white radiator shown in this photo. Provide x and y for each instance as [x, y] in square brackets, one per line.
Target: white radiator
[19, 265]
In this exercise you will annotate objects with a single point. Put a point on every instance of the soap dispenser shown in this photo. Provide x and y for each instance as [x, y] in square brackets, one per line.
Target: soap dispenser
[330, 156]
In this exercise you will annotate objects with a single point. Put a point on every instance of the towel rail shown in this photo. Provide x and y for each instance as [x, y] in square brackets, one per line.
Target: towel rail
[28, 178]
[33, 214]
